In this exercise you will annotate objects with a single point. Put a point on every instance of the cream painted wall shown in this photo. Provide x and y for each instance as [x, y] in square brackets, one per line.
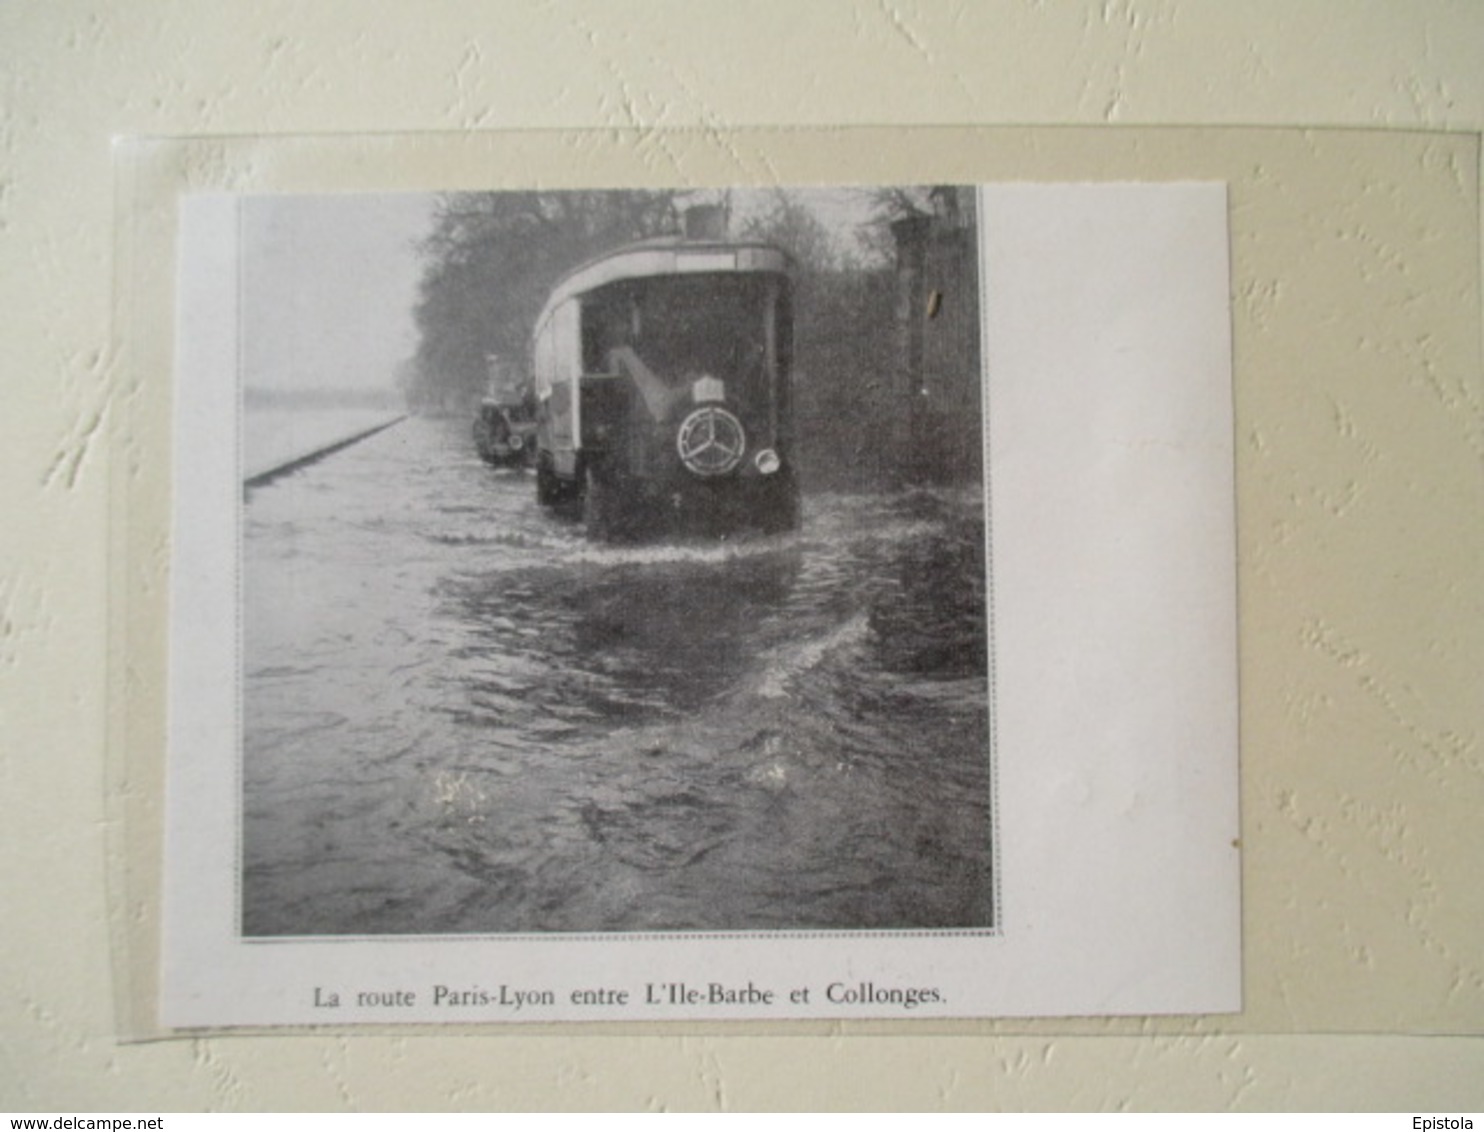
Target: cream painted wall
[77, 75]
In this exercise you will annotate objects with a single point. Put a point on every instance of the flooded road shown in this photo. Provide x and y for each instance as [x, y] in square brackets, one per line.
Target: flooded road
[462, 717]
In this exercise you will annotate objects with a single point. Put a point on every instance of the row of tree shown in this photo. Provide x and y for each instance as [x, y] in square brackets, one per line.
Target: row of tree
[491, 259]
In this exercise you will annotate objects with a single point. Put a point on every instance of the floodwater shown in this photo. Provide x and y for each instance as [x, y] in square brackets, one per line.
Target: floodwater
[460, 716]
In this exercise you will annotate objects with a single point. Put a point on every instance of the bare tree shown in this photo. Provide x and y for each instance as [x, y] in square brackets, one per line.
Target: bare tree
[491, 260]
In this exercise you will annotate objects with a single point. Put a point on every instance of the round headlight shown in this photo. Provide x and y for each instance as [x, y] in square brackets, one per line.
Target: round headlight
[767, 461]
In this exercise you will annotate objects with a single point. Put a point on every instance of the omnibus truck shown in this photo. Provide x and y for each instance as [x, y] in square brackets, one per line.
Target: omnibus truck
[662, 376]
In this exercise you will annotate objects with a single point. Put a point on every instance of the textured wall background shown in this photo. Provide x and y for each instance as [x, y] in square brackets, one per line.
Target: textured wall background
[77, 75]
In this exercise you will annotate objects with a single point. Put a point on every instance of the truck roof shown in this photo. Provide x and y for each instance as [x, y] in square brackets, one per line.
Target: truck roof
[665, 255]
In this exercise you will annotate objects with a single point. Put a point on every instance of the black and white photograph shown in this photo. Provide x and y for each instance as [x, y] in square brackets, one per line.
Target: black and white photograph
[728, 603]
[613, 562]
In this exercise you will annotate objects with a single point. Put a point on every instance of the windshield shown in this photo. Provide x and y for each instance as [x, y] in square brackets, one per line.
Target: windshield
[684, 327]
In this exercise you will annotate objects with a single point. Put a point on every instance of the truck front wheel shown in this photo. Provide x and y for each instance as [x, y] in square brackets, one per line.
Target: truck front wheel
[602, 507]
[549, 490]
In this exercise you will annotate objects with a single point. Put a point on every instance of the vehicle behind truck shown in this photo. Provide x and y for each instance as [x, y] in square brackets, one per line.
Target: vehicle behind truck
[505, 422]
